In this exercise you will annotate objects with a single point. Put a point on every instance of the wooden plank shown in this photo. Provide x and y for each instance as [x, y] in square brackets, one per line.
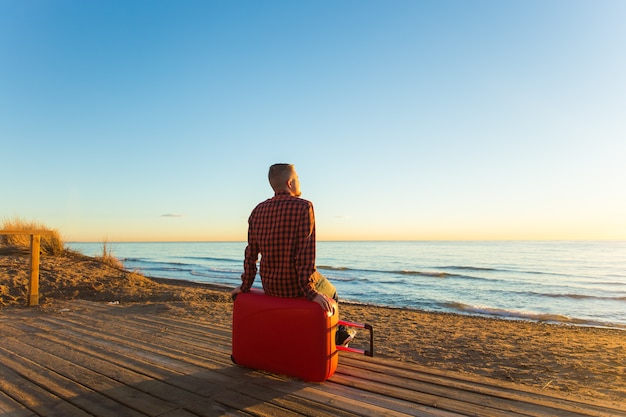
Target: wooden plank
[446, 402]
[34, 397]
[289, 399]
[258, 390]
[149, 379]
[183, 377]
[129, 334]
[88, 400]
[250, 405]
[179, 413]
[220, 338]
[8, 331]
[127, 342]
[121, 350]
[210, 407]
[62, 375]
[187, 327]
[442, 395]
[178, 397]
[509, 393]
[358, 402]
[169, 331]
[11, 408]
[162, 383]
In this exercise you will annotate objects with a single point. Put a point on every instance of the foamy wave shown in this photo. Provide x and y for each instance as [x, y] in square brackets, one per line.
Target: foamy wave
[468, 268]
[582, 296]
[432, 274]
[211, 272]
[514, 314]
[435, 274]
[155, 264]
[332, 268]
[208, 258]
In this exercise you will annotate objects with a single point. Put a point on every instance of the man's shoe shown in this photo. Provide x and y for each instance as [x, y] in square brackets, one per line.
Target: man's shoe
[344, 335]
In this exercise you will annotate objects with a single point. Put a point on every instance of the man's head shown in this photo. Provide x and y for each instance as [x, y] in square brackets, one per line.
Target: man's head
[283, 177]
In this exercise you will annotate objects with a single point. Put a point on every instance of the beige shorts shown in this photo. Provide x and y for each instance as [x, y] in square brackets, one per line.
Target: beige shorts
[323, 285]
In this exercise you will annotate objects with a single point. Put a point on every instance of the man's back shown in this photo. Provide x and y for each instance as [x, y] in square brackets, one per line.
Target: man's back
[282, 230]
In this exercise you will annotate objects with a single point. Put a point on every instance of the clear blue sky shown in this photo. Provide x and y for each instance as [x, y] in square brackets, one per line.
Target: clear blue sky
[157, 120]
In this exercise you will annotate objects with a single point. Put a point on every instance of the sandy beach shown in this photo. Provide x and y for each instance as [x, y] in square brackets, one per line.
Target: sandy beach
[576, 361]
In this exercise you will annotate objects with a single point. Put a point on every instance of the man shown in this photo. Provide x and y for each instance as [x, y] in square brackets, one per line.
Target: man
[282, 230]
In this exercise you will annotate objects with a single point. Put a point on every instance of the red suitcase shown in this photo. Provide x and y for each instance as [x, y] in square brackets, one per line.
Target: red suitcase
[290, 336]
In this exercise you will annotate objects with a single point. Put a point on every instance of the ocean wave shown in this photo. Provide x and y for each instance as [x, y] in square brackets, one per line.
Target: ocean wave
[431, 274]
[608, 283]
[149, 262]
[212, 272]
[333, 268]
[166, 269]
[208, 258]
[504, 270]
[526, 315]
[469, 268]
[161, 268]
[581, 296]
[492, 311]
[350, 279]
[435, 274]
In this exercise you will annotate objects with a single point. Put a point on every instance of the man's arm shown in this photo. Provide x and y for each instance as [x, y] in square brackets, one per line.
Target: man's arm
[251, 256]
[305, 251]
[249, 271]
[305, 262]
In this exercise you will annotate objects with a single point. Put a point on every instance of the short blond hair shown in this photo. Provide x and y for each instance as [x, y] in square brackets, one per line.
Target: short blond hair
[279, 174]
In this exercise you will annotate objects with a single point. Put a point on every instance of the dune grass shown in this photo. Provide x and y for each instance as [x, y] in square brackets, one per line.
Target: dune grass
[107, 256]
[51, 243]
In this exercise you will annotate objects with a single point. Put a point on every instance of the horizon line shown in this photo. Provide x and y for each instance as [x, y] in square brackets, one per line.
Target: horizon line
[360, 240]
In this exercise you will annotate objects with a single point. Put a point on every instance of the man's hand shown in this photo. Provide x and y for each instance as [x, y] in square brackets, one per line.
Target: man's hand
[236, 291]
[327, 304]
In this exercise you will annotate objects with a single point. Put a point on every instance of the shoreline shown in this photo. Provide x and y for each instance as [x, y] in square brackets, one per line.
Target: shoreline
[572, 322]
[457, 278]
[572, 360]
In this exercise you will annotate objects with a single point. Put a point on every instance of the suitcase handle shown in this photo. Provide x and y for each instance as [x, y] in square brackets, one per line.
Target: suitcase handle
[368, 327]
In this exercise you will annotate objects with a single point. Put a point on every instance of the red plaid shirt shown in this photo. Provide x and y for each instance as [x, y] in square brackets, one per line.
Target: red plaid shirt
[282, 230]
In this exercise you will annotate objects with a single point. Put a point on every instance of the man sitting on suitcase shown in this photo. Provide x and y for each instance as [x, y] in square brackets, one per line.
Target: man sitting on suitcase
[282, 230]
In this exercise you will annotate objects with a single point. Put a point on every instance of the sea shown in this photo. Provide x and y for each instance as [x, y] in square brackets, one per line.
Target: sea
[581, 283]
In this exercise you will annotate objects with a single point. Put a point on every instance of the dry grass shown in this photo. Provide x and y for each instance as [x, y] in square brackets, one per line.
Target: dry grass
[107, 256]
[51, 243]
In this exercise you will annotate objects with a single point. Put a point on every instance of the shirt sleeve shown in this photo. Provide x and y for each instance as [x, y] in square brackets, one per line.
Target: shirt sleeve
[251, 257]
[305, 252]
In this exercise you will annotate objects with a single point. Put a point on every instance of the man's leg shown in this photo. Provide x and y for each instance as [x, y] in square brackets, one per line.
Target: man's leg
[344, 335]
[324, 286]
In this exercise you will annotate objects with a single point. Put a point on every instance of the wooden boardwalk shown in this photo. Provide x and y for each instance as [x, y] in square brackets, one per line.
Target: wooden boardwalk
[99, 360]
